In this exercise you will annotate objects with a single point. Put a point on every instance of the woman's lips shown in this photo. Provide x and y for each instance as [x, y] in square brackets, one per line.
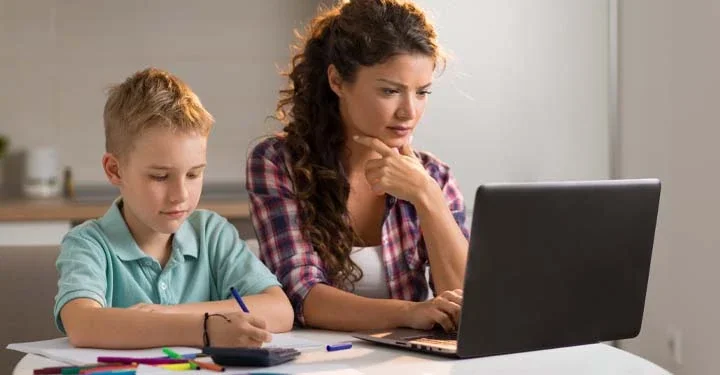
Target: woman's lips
[400, 131]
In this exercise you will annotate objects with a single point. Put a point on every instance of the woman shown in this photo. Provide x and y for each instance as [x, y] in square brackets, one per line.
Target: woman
[348, 216]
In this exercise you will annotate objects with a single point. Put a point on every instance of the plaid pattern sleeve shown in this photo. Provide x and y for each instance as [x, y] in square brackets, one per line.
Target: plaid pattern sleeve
[440, 172]
[275, 216]
[454, 198]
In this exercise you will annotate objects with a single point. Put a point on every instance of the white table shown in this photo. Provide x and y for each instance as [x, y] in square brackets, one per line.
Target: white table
[367, 358]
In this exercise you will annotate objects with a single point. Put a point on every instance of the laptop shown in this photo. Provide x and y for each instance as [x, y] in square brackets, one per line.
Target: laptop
[550, 264]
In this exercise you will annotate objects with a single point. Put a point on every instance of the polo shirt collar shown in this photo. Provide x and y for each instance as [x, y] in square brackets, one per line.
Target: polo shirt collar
[125, 246]
[185, 240]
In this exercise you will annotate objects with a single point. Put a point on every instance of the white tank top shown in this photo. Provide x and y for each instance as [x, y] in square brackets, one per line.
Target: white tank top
[374, 281]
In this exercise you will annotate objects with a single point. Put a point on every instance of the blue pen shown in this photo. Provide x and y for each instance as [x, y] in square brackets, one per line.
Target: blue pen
[338, 346]
[239, 299]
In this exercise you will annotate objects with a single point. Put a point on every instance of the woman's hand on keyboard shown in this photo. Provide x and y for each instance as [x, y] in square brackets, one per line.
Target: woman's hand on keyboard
[443, 310]
[238, 330]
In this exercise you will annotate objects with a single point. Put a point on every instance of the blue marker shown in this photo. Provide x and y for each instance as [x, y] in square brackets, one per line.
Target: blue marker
[239, 299]
[338, 346]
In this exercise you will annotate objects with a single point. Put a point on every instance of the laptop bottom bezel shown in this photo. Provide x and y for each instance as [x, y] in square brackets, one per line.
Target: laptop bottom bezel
[415, 345]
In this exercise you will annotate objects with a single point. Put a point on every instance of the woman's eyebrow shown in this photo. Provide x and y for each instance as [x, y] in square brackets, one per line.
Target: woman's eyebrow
[402, 85]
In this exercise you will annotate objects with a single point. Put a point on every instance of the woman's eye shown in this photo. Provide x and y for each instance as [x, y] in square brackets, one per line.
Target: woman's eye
[158, 178]
[390, 91]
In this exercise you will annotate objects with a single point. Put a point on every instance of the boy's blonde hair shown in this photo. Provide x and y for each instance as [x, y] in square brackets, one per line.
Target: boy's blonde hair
[147, 99]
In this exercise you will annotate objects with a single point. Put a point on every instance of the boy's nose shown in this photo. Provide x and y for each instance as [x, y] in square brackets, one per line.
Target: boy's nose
[179, 194]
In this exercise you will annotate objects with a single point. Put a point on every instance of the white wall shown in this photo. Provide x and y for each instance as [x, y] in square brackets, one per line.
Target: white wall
[525, 94]
[525, 97]
[35, 233]
[669, 116]
[58, 57]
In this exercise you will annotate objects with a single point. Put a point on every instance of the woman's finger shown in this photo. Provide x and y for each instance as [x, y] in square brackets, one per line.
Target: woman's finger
[407, 150]
[374, 163]
[452, 309]
[373, 175]
[375, 144]
[444, 320]
[453, 297]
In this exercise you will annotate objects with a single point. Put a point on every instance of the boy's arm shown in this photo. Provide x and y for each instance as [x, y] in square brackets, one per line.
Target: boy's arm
[90, 325]
[271, 304]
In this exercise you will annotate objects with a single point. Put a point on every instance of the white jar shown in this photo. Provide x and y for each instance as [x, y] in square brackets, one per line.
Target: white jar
[41, 173]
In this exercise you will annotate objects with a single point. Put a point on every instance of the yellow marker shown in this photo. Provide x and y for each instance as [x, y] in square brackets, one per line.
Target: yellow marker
[179, 366]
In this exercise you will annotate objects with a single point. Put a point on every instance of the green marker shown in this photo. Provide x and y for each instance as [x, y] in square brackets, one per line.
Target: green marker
[171, 353]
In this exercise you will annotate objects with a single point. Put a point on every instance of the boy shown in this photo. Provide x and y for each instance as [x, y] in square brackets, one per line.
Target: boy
[153, 271]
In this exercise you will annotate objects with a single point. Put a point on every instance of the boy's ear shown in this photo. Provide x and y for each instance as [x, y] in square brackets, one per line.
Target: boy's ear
[335, 80]
[111, 166]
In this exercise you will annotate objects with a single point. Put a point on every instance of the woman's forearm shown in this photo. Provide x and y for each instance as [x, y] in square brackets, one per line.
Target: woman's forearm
[447, 246]
[331, 308]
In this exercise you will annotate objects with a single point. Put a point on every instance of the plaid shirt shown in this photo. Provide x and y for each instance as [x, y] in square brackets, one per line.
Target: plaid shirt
[284, 249]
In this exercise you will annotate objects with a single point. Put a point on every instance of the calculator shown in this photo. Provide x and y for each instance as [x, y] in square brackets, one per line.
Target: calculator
[256, 357]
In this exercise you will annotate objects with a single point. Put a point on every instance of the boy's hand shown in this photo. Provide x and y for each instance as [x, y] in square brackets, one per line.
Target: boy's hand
[238, 330]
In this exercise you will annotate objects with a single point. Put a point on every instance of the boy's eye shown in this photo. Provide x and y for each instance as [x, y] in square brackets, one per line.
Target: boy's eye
[159, 177]
[193, 176]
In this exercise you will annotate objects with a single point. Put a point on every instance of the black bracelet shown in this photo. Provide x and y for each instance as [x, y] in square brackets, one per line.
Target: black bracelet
[206, 338]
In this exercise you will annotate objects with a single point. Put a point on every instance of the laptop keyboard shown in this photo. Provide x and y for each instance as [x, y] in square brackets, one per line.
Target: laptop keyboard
[439, 338]
[442, 335]
[426, 340]
[436, 338]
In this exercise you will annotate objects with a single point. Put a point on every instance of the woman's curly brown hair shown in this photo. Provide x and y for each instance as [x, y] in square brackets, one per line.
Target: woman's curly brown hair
[348, 36]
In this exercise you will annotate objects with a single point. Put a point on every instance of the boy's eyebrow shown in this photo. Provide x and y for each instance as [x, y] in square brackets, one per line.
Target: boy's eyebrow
[165, 168]
[402, 85]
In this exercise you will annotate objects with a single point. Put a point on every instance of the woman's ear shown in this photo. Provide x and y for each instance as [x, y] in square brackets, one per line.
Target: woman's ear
[335, 80]
[111, 166]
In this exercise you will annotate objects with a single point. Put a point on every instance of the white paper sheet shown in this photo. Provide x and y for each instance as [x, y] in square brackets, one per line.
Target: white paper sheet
[61, 350]
[289, 340]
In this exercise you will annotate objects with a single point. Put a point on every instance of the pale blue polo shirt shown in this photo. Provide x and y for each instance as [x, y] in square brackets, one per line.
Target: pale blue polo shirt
[100, 260]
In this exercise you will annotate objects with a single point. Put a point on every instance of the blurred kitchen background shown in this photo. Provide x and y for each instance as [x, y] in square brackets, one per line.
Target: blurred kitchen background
[534, 90]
